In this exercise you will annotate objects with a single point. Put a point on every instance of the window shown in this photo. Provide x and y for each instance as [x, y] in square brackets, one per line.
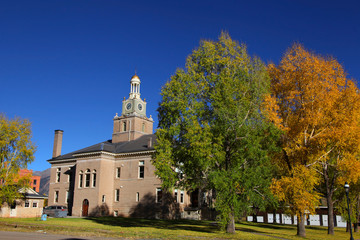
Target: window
[176, 195]
[118, 172]
[27, 204]
[87, 178]
[81, 176]
[35, 205]
[69, 173]
[117, 195]
[34, 183]
[67, 197]
[124, 126]
[116, 213]
[141, 169]
[180, 173]
[58, 173]
[34, 188]
[137, 196]
[182, 197]
[103, 198]
[143, 127]
[158, 195]
[94, 179]
[56, 196]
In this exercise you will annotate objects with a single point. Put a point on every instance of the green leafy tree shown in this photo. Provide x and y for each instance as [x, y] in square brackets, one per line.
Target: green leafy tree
[212, 132]
[342, 207]
[16, 151]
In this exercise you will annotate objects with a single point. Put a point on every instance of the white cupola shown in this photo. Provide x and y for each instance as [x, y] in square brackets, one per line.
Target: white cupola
[134, 87]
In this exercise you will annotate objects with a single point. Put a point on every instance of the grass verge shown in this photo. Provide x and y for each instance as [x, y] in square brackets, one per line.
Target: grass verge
[162, 229]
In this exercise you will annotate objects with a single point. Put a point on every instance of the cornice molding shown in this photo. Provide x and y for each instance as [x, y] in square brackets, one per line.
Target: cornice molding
[99, 153]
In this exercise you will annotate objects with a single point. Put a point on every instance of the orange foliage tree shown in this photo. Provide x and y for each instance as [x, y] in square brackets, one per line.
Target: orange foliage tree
[318, 109]
[296, 190]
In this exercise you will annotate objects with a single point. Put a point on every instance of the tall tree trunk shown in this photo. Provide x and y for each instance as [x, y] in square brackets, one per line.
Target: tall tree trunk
[301, 226]
[274, 217]
[356, 224]
[356, 227]
[330, 206]
[231, 224]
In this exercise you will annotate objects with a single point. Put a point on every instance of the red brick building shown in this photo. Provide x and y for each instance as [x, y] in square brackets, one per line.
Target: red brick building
[35, 180]
[114, 177]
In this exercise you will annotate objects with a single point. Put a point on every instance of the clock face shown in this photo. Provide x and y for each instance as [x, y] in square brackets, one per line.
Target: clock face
[140, 106]
[128, 106]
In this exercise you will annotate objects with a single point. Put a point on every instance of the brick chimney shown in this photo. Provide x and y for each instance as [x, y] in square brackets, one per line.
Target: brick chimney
[149, 145]
[57, 143]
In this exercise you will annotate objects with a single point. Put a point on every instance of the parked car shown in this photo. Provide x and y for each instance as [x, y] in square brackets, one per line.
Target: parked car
[56, 211]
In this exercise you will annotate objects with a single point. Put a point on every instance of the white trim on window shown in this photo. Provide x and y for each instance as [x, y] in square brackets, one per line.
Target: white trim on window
[58, 175]
[176, 195]
[81, 179]
[159, 195]
[93, 184]
[118, 172]
[141, 169]
[56, 197]
[117, 195]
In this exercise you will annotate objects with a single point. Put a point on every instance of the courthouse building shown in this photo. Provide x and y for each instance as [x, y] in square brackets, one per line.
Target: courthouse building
[114, 177]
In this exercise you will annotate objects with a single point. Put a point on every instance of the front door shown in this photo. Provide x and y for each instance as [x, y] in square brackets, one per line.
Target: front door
[13, 209]
[85, 208]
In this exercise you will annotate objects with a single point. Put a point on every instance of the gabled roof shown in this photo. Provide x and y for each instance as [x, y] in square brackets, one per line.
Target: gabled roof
[30, 193]
[137, 145]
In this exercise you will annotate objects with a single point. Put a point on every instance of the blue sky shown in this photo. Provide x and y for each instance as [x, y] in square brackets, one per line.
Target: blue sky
[67, 64]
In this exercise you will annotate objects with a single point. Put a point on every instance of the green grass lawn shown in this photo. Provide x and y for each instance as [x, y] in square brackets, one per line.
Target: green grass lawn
[164, 229]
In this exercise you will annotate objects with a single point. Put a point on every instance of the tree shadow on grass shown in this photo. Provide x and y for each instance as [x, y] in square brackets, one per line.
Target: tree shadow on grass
[144, 214]
[270, 225]
[250, 228]
[189, 225]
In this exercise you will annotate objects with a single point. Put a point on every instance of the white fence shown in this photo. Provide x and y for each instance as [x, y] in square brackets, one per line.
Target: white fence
[312, 220]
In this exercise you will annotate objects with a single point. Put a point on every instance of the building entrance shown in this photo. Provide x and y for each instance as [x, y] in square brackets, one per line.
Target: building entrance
[85, 208]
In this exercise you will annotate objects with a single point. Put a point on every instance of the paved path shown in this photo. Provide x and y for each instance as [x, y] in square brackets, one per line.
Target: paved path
[45, 236]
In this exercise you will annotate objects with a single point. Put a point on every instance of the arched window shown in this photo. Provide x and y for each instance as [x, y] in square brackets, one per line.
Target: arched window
[94, 178]
[143, 127]
[124, 126]
[81, 178]
[141, 169]
[87, 178]
[176, 195]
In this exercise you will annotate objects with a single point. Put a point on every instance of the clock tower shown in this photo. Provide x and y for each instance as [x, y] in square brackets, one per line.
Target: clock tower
[133, 122]
[134, 104]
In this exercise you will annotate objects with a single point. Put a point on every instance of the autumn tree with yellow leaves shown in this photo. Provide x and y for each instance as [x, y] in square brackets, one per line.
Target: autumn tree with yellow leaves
[318, 109]
[16, 152]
